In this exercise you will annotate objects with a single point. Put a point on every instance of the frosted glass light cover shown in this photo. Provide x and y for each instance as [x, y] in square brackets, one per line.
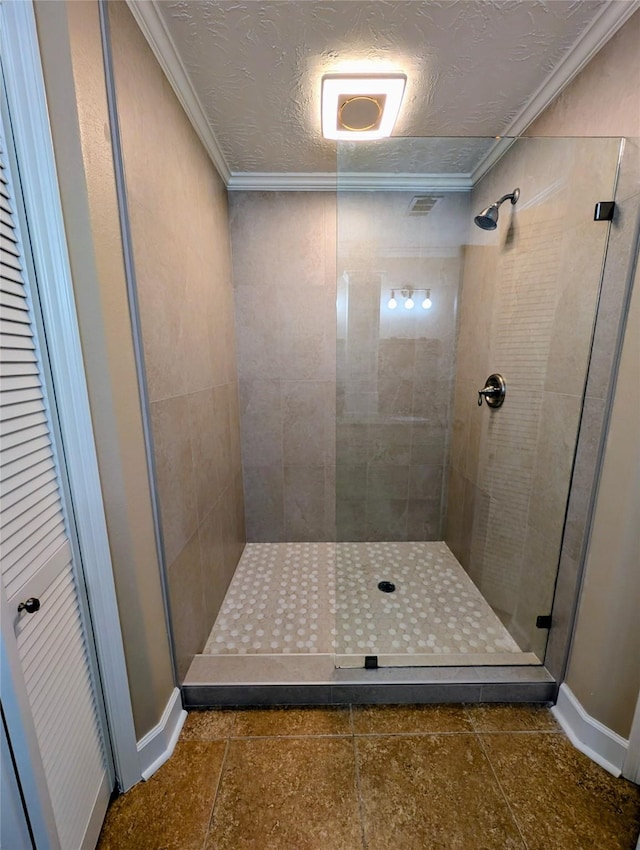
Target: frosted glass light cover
[336, 86]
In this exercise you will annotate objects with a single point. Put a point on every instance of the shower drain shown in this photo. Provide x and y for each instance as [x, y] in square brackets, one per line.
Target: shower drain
[386, 586]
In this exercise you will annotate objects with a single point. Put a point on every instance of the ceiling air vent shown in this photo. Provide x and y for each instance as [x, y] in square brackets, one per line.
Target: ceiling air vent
[423, 204]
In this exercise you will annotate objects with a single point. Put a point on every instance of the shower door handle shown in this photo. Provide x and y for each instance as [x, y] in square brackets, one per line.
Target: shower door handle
[493, 391]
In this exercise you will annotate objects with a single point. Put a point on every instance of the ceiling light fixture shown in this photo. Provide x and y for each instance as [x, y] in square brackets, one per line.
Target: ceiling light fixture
[360, 106]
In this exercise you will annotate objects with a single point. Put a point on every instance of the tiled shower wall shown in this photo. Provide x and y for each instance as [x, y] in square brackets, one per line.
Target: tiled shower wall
[178, 215]
[283, 249]
[353, 449]
[395, 367]
[528, 303]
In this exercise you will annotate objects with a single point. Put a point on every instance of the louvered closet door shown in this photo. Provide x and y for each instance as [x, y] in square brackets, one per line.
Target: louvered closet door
[37, 561]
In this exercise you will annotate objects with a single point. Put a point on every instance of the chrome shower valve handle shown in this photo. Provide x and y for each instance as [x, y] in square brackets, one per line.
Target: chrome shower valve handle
[493, 391]
[487, 392]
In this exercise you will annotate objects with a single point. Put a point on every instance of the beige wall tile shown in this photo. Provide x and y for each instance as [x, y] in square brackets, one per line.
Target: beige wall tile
[261, 422]
[304, 503]
[233, 529]
[307, 422]
[424, 519]
[386, 518]
[212, 562]
[257, 331]
[379, 373]
[559, 422]
[221, 436]
[186, 597]
[297, 254]
[207, 474]
[264, 504]
[174, 473]
[387, 482]
[527, 310]
[179, 225]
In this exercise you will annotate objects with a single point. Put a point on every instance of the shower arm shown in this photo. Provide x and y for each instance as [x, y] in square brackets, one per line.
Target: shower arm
[511, 196]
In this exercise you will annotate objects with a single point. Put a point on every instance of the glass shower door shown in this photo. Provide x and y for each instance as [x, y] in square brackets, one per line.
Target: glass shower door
[449, 515]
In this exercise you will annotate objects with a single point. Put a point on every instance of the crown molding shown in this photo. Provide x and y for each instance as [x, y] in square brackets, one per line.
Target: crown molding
[329, 181]
[154, 30]
[485, 165]
[594, 37]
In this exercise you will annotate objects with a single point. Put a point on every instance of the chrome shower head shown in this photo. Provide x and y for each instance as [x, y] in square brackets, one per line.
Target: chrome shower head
[488, 218]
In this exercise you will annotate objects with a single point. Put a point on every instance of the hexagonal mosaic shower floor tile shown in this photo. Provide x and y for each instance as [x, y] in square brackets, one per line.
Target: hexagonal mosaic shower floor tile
[324, 598]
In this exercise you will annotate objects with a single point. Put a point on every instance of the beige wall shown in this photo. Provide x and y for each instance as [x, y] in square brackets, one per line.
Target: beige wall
[283, 247]
[72, 58]
[603, 668]
[527, 310]
[351, 445]
[395, 366]
[179, 225]
[604, 672]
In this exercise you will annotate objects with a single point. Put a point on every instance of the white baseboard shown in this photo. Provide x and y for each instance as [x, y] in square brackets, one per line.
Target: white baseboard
[158, 744]
[594, 739]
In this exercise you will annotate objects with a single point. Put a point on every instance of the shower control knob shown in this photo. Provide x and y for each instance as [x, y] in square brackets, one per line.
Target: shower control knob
[493, 391]
[30, 606]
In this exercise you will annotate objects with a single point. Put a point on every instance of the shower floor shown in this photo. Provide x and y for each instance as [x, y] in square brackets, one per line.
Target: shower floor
[323, 598]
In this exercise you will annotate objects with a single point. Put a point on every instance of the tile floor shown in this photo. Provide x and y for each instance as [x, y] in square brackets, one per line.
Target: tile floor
[324, 598]
[485, 777]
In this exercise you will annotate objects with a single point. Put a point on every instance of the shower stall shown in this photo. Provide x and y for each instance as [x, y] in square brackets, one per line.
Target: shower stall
[412, 390]
[397, 411]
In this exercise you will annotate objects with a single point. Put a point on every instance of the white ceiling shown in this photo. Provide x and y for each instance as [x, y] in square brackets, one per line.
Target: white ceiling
[253, 69]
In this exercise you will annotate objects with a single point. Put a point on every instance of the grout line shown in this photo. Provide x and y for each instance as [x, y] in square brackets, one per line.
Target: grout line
[215, 796]
[468, 710]
[297, 737]
[363, 833]
[381, 734]
[501, 789]
[411, 734]
[518, 731]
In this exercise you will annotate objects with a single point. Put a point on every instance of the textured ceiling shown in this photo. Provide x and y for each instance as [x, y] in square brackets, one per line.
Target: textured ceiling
[472, 65]
[412, 156]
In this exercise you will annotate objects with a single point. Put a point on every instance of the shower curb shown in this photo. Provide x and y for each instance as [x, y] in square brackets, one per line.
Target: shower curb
[365, 693]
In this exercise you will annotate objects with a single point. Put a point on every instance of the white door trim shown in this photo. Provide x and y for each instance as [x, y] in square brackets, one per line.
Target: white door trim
[32, 136]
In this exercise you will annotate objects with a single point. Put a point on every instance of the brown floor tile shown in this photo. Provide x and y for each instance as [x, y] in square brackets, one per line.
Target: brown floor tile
[562, 799]
[436, 791]
[508, 717]
[402, 719]
[171, 811]
[274, 722]
[208, 725]
[287, 794]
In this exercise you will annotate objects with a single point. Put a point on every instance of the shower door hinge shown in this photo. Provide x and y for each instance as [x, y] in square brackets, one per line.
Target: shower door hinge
[543, 621]
[604, 211]
[371, 662]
